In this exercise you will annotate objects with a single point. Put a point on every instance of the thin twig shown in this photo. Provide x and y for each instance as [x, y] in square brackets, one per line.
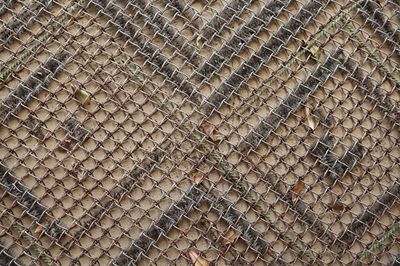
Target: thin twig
[229, 173]
[41, 40]
[377, 245]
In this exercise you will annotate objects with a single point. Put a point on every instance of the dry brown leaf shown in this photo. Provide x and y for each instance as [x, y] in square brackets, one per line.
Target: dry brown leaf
[197, 177]
[229, 237]
[66, 145]
[196, 259]
[298, 189]
[338, 207]
[310, 119]
[39, 229]
[217, 136]
[208, 128]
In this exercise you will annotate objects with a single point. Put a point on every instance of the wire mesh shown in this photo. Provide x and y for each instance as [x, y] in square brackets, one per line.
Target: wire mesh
[231, 132]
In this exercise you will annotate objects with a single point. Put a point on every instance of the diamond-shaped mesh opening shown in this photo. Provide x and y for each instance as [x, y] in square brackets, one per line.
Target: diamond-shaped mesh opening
[199, 132]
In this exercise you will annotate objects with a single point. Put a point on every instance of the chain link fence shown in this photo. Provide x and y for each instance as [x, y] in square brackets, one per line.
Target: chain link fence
[232, 132]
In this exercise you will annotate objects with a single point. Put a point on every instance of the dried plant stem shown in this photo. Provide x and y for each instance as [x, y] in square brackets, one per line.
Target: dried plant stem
[338, 20]
[372, 92]
[373, 57]
[33, 243]
[258, 59]
[246, 192]
[115, 195]
[370, 215]
[5, 72]
[291, 103]
[323, 73]
[377, 245]
[232, 176]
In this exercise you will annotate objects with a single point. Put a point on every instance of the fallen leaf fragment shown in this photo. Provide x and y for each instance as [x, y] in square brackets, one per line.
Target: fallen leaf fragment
[338, 207]
[66, 145]
[298, 189]
[82, 96]
[217, 136]
[208, 128]
[198, 41]
[196, 259]
[229, 237]
[39, 229]
[314, 51]
[40, 74]
[310, 119]
[197, 177]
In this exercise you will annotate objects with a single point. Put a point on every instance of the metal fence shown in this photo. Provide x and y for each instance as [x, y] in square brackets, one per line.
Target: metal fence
[199, 133]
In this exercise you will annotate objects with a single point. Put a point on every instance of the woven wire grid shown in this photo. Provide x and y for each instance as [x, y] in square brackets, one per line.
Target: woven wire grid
[199, 132]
